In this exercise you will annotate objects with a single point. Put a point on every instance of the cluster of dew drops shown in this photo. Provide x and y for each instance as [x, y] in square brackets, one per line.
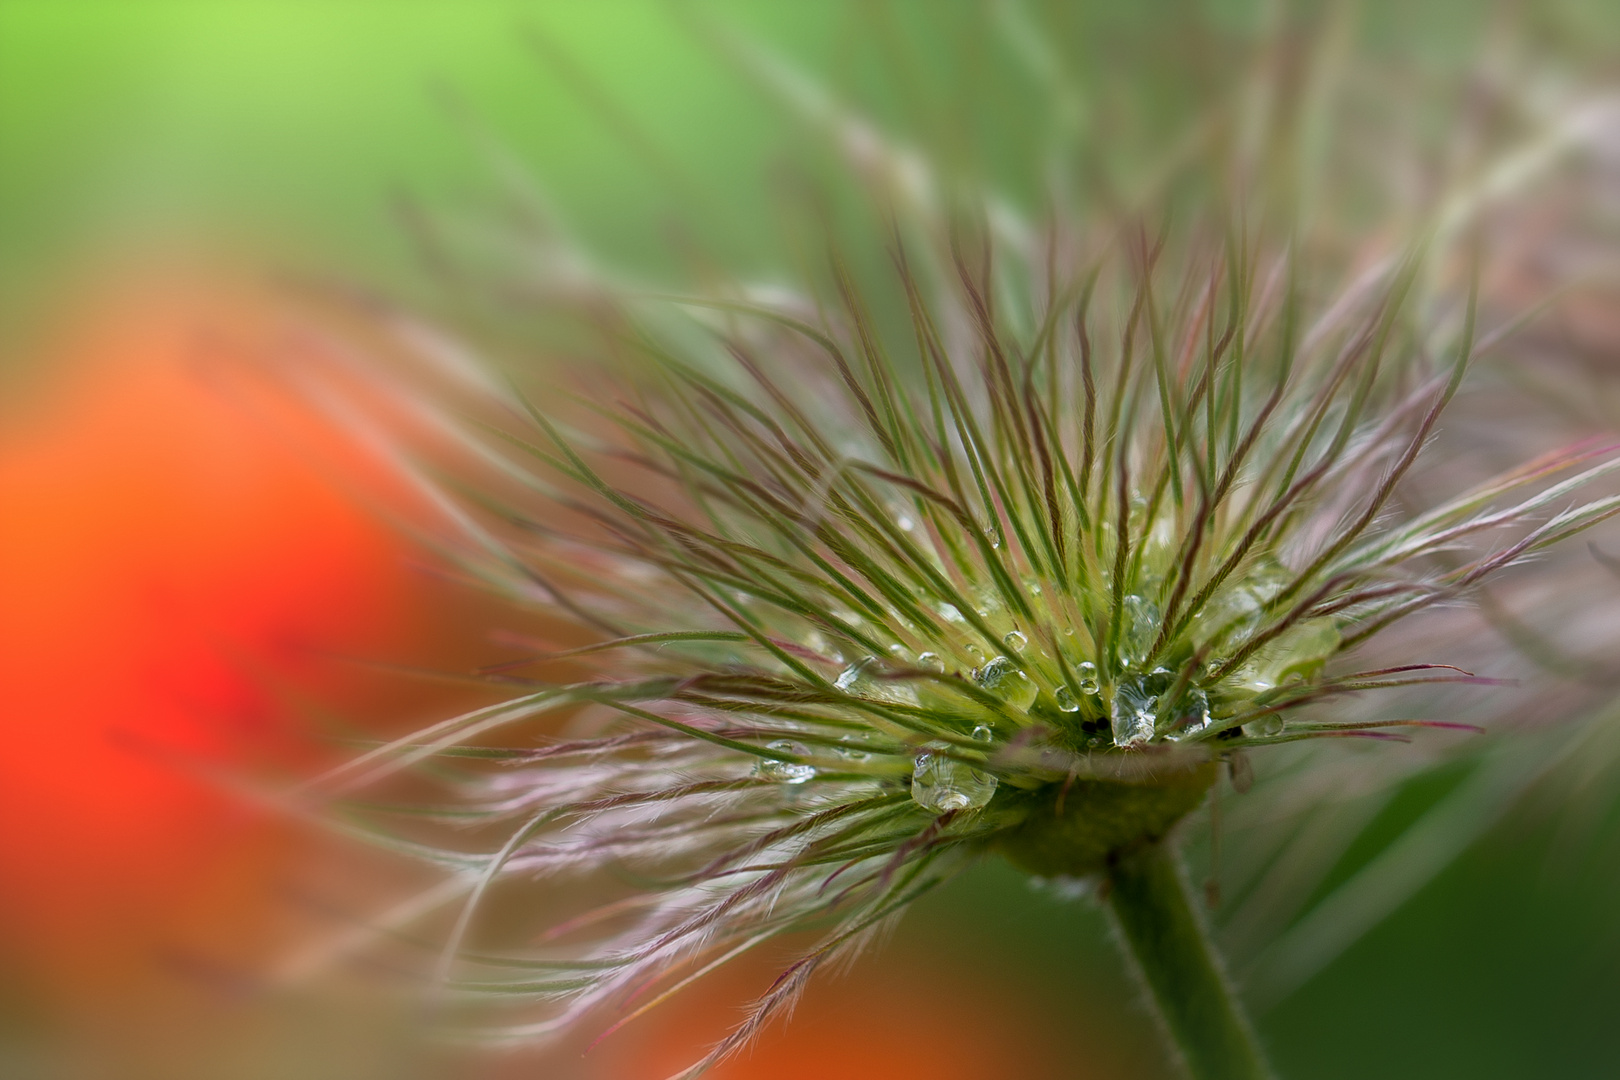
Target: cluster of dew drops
[942, 782]
[1139, 708]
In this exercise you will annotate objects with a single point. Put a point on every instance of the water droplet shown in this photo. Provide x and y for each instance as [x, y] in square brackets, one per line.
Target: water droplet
[973, 651]
[1236, 612]
[851, 675]
[1195, 712]
[905, 523]
[1065, 700]
[1139, 629]
[983, 732]
[863, 678]
[1191, 714]
[1308, 645]
[1297, 654]
[849, 752]
[784, 772]
[942, 784]
[1003, 678]
[930, 662]
[950, 613]
[994, 673]
[1086, 671]
[1134, 710]
[1264, 727]
[1014, 640]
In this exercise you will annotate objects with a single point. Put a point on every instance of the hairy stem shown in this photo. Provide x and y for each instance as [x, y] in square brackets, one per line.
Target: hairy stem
[1150, 902]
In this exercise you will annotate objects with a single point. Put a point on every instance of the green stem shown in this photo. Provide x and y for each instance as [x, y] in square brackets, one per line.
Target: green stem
[1166, 939]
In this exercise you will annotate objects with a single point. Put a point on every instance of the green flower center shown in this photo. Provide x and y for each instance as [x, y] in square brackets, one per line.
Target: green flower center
[1080, 828]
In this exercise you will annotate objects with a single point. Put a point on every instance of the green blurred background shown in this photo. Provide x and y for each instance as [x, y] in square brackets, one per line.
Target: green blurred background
[282, 134]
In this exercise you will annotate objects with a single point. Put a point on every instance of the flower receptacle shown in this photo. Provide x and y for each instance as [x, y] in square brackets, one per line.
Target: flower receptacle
[1081, 828]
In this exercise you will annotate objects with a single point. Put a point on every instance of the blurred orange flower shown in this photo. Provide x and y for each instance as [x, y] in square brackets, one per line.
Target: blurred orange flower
[169, 548]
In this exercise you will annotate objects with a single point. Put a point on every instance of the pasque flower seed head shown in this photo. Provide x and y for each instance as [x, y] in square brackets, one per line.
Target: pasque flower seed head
[1000, 549]
[863, 617]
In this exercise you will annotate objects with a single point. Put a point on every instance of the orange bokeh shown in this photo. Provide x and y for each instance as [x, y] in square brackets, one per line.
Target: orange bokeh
[171, 549]
[898, 1016]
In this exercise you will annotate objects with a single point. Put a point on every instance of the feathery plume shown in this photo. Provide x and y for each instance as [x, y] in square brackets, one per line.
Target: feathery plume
[985, 538]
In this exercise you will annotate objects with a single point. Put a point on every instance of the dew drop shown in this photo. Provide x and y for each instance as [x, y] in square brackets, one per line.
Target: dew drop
[1133, 711]
[860, 679]
[784, 772]
[1192, 714]
[849, 752]
[973, 650]
[1140, 629]
[930, 662]
[1003, 678]
[1264, 727]
[1308, 646]
[905, 523]
[851, 675]
[983, 732]
[1297, 654]
[993, 674]
[1065, 700]
[942, 784]
[1086, 671]
[1238, 611]
[950, 613]
[1196, 713]
[1015, 640]
[1254, 678]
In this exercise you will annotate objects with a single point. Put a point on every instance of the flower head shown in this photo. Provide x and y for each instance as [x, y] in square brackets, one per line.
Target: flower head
[1001, 548]
[864, 612]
